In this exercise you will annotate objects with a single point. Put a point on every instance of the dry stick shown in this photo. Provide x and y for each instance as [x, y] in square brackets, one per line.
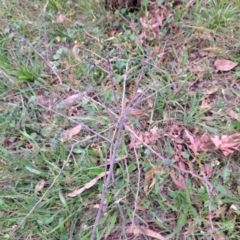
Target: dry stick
[113, 151]
[6, 75]
[114, 147]
[72, 66]
[138, 183]
[124, 84]
[210, 219]
[114, 189]
[117, 201]
[48, 189]
[110, 75]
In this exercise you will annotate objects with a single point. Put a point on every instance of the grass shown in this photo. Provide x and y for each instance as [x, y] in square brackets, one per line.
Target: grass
[84, 92]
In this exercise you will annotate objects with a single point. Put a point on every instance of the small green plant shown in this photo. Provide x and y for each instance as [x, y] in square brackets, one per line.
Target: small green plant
[26, 74]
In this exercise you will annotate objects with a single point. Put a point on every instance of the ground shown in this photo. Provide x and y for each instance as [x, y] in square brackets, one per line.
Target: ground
[120, 123]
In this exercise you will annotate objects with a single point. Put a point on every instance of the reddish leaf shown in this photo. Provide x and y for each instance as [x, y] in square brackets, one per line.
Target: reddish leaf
[180, 182]
[227, 144]
[39, 185]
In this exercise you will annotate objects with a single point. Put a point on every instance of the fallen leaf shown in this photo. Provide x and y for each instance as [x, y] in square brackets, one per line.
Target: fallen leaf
[219, 236]
[154, 134]
[60, 18]
[227, 144]
[218, 212]
[39, 185]
[211, 90]
[96, 206]
[67, 179]
[88, 185]
[75, 52]
[194, 143]
[137, 112]
[234, 207]
[138, 206]
[146, 231]
[205, 104]
[180, 182]
[149, 177]
[206, 169]
[233, 114]
[198, 144]
[150, 103]
[73, 98]
[144, 137]
[224, 65]
[152, 23]
[74, 131]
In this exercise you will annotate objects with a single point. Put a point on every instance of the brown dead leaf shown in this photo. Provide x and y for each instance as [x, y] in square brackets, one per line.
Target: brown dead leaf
[88, 185]
[205, 104]
[96, 206]
[146, 231]
[211, 90]
[74, 131]
[137, 112]
[227, 144]
[224, 65]
[233, 114]
[194, 143]
[138, 206]
[67, 179]
[217, 213]
[144, 137]
[180, 182]
[60, 18]
[154, 135]
[150, 103]
[219, 236]
[73, 98]
[153, 21]
[198, 144]
[149, 177]
[39, 185]
[206, 169]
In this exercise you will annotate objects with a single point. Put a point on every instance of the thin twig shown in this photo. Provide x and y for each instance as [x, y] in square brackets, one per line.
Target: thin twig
[138, 183]
[6, 75]
[113, 151]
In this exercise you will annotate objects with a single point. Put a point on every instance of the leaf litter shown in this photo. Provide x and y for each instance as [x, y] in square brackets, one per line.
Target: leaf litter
[224, 65]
